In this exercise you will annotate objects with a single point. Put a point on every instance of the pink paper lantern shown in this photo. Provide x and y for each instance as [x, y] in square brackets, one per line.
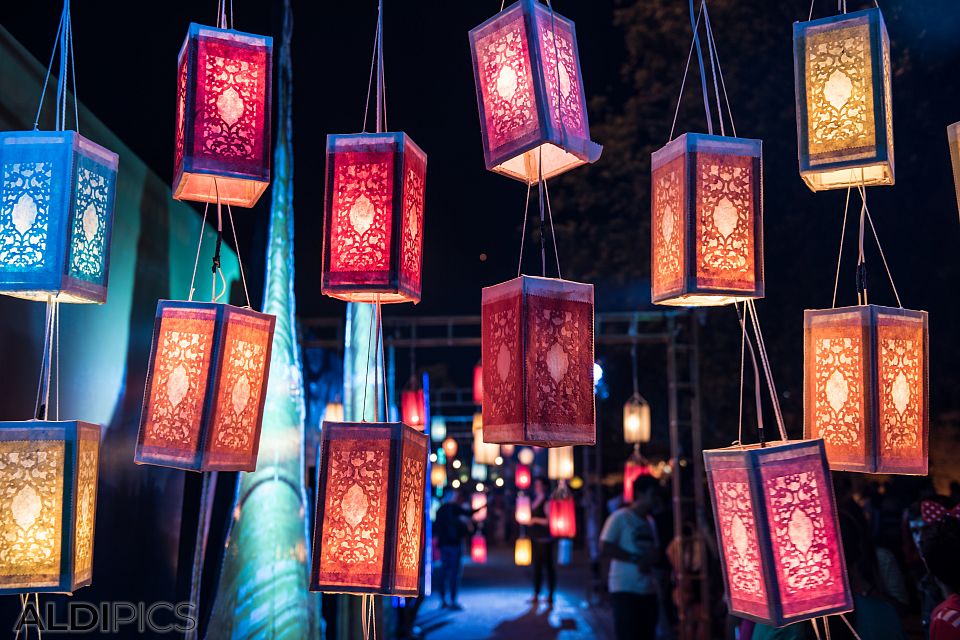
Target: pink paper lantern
[523, 476]
[478, 549]
[777, 527]
[563, 516]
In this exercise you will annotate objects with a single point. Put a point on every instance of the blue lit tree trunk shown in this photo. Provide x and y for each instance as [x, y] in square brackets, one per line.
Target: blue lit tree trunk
[263, 585]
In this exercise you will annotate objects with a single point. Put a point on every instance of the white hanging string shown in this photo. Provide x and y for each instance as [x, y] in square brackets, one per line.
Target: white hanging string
[686, 70]
[236, 247]
[826, 627]
[377, 70]
[553, 232]
[876, 238]
[523, 229]
[63, 42]
[718, 70]
[768, 371]
[196, 262]
[816, 629]
[703, 75]
[850, 626]
[843, 232]
[713, 65]
[756, 375]
[743, 344]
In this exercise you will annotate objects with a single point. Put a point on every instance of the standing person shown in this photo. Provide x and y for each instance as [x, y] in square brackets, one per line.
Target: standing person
[541, 541]
[940, 548]
[629, 539]
[451, 526]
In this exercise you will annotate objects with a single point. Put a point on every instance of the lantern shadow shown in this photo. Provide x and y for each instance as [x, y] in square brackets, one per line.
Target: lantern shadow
[533, 624]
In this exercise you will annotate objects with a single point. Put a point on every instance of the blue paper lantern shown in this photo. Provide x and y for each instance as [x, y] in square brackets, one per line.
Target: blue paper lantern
[57, 192]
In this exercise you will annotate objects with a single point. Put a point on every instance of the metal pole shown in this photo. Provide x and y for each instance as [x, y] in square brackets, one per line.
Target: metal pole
[698, 472]
[672, 405]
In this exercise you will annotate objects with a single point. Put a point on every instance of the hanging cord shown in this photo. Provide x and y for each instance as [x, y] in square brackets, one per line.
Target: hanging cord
[222, 8]
[63, 41]
[236, 247]
[40, 407]
[523, 229]
[713, 64]
[843, 232]
[813, 621]
[50, 365]
[380, 355]
[849, 626]
[553, 232]
[24, 603]
[883, 257]
[742, 318]
[826, 627]
[712, 41]
[377, 69]
[703, 75]
[861, 259]
[215, 267]
[743, 343]
[543, 239]
[686, 70]
[768, 371]
[196, 262]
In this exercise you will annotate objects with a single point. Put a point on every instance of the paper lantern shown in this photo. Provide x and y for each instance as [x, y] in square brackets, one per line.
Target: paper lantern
[57, 192]
[48, 497]
[450, 447]
[953, 139]
[560, 463]
[537, 341]
[523, 552]
[412, 408]
[478, 471]
[373, 218]
[778, 533]
[478, 548]
[530, 93]
[438, 428]
[522, 476]
[479, 501]
[483, 452]
[564, 552]
[333, 412]
[224, 86]
[369, 533]
[206, 385]
[522, 511]
[636, 420]
[844, 105]
[438, 475]
[478, 384]
[633, 469]
[507, 450]
[563, 515]
[866, 387]
[707, 224]
[526, 456]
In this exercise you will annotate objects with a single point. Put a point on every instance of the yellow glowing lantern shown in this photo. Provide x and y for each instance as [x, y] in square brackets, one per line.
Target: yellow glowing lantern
[560, 463]
[438, 475]
[333, 412]
[483, 453]
[450, 447]
[523, 552]
[636, 420]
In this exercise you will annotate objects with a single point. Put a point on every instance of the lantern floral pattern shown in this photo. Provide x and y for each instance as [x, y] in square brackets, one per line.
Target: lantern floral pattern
[537, 344]
[844, 101]
[777, 527]
[866, 386]
[368, 535]
[707, 224]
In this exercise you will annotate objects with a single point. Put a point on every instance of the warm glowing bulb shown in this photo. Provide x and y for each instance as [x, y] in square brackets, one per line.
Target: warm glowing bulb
[456, 464]
[455, 484]
[499, 482]
[433, 457]
[498, 461]
[479, 486]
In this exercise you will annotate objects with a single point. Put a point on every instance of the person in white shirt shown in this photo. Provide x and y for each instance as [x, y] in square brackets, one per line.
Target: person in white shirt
[629, 540]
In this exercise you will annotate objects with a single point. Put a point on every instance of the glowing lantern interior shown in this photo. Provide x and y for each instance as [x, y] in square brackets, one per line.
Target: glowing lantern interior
[206, 385]
[707, 224]
[636, 420]
[57, 194]
[560, 463]
[526, 456]
[478, 384]
[523, 552]
[777, 527]
[563, 516]
[373, 218]
[478, 548]
[333, 412]
[369, 532]
[48, 498]
[537, 342]
[412, 408]
[844, 104]
[523, 477]
[522, 510]
[866, 387]
[478, 503]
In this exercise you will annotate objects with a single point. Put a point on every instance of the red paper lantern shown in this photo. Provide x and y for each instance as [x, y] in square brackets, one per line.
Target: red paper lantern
[537, 342]
[563, 515]
[369, 532]
[478, 548]
[206, 385]
[478, 384]
[707, 225]
[373, 218]
[523, 477]
[223, 116]
[412, 408]
[531, 107]
[866, 387]
[777, 527]
[633, 469]
[450, 447]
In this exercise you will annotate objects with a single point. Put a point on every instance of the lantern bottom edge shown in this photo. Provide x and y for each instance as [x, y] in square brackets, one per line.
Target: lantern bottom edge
[49, 295]
[703, 300]
[362, 591]
[872, 175]
[389, 296]
[493, 436]
[59, 589]
[203, 187]
[783, 621]
[525, 166]
[166, 461]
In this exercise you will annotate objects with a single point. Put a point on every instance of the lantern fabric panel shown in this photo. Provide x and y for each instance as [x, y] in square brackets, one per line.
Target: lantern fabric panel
[373, 218]
[707, 221]
[57, 199]
[523, 552]
[953, 140]
[537, 342]
[777, 527]
[368, 533]
[844, 101]
[530, 93]
[866, 387]
[48, 494]
[206, 387]
[223, 116]
[563, 516]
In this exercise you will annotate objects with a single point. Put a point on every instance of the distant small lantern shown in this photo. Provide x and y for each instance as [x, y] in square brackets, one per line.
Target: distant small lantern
[844, 104]
[523, 552]
[560, 463]
[224, 89]
[778, 533]
[438, 428]
[953, 139]
[206, 386]
[57, 194]
[48, 484]
[526, 456]
[478, 471]
[707, 224]
[333, 412]
[522, 511]
[450, 447]
[438, 475]
[478, 384]
[412, 408]
[507, 450]
[866, 387]
[522, 476]
[537, 341]
[373, 218]
[633, 469]
[483, 452]
[564, 552]
[636, 420]
[478, 503]
[530, 93]
[369, 534]
[563, 514]
[478, 548]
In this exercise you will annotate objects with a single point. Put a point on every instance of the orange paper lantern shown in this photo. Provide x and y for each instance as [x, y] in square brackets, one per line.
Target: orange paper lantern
[438, 475]
[206, 385]
[523, 552]
[412, 408]
[450, 448]
[563, 515]
[866, 387]
[369, 534]
[478, 548]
